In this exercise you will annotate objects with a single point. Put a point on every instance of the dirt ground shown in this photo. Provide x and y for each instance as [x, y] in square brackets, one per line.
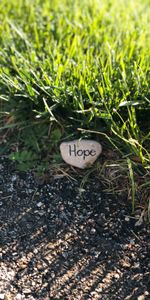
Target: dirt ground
[61, 240]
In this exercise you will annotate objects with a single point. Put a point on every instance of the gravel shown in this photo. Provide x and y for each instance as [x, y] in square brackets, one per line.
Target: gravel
[59, 240]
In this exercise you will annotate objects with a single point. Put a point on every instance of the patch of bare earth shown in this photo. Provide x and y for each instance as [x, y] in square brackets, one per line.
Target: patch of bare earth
[61, 241]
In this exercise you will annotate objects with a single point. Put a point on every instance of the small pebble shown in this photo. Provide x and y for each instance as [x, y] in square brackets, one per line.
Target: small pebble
[127, 219]
[141, 297]
[14, 178]
[93, 231]
[35, 251]
[136, 265]
[41, 213]
[39, 204]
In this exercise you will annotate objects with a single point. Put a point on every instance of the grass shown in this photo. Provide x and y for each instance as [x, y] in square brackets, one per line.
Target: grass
[75, 69]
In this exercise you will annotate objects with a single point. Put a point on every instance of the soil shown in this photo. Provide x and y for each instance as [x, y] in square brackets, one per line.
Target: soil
[62, 240]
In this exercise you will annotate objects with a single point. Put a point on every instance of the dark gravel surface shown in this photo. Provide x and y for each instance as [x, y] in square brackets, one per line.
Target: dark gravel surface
[61, 241]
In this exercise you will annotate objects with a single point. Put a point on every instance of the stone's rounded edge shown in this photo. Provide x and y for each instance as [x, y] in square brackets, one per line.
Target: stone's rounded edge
[61, 145]
[80, 141]
[100, 146]
[61, 150]
[74, 165]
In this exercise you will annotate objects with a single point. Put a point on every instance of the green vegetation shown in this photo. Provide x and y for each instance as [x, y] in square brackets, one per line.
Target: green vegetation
[75, 68]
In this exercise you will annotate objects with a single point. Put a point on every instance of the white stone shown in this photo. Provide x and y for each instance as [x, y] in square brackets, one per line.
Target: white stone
[39, 204]
[80, 153]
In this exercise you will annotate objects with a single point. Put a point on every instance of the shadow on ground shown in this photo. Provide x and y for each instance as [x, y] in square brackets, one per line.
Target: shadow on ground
[61, 241]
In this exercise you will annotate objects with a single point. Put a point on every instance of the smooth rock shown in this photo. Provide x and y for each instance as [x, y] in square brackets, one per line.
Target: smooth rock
[80, 153]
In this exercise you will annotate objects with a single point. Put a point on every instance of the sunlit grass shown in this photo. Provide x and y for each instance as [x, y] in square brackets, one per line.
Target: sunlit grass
[69, 64]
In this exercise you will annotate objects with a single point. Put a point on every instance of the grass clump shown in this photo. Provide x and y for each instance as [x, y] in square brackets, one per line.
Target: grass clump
[75, 68]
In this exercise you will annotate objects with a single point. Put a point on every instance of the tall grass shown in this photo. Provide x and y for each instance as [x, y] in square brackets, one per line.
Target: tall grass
[69, 65]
